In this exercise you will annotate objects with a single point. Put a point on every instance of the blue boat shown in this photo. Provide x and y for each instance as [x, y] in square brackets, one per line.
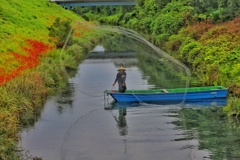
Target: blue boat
[166, 95]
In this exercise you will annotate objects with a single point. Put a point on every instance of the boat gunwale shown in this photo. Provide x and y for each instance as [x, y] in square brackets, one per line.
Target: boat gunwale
[170, 91]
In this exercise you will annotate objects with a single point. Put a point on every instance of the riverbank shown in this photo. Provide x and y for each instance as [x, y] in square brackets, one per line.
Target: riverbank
[32, 65]
[22, 98]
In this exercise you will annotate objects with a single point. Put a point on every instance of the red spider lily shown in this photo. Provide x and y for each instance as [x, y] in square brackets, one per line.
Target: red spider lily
[34, 50]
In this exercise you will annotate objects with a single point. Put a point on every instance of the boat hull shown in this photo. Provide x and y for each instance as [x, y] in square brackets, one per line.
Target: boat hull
[165, 97]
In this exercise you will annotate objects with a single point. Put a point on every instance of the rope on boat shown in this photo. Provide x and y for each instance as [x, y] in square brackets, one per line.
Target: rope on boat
[140, 101]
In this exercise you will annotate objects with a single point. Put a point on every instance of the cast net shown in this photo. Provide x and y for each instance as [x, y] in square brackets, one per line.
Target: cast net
[147, 66]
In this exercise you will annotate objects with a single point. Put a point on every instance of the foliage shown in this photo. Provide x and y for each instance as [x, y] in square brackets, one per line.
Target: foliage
[59, 32]
[212, 52]
[216, 10]
[192, 50]
[148, 17]
[171, 18]
[233, 107]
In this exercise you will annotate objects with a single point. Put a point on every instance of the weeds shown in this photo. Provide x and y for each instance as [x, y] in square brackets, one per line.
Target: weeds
[233, 107]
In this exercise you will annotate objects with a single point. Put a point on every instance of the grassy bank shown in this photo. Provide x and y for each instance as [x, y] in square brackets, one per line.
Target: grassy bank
[32, 63]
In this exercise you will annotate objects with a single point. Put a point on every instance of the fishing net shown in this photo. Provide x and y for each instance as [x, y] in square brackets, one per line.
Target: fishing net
[78, 125]
[147, 66]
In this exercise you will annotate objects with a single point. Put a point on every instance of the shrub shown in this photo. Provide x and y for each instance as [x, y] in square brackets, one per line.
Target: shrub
[59, 32]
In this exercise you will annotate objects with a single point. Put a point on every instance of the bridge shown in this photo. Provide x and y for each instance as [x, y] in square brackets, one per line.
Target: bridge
[111, 54]
[72, 3]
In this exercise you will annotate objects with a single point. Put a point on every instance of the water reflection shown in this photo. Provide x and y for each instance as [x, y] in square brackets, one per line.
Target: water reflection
[65, 98]
[121, 121]
[152, 133]
[217, 102]
[214, 131]
[193, 121]
[214, 102]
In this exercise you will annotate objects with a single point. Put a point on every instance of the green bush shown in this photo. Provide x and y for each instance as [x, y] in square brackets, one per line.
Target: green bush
[59, 32]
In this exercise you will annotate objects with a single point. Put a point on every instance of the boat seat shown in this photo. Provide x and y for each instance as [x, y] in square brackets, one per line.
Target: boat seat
[164, 90]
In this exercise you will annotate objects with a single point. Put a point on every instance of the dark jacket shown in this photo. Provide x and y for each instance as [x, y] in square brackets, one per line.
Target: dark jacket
[121, 78]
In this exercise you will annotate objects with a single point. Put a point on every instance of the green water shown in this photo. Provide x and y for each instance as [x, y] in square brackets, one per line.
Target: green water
[215, 132]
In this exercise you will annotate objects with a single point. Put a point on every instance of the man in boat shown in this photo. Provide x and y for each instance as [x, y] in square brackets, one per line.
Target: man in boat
[121, 78]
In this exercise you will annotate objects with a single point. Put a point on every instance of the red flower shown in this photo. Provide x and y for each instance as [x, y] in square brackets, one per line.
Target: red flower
[34, 50]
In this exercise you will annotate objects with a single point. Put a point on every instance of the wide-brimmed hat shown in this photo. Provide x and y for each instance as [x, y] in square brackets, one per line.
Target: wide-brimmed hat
[121, 68]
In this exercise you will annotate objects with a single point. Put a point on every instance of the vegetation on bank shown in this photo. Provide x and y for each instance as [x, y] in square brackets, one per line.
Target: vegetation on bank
[32, 63]
[204, 35]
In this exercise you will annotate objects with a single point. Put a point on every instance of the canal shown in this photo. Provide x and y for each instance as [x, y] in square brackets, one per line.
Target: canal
[79, 124]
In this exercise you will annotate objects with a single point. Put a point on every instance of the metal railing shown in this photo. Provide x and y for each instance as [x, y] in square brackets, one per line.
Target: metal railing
[72, 3]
